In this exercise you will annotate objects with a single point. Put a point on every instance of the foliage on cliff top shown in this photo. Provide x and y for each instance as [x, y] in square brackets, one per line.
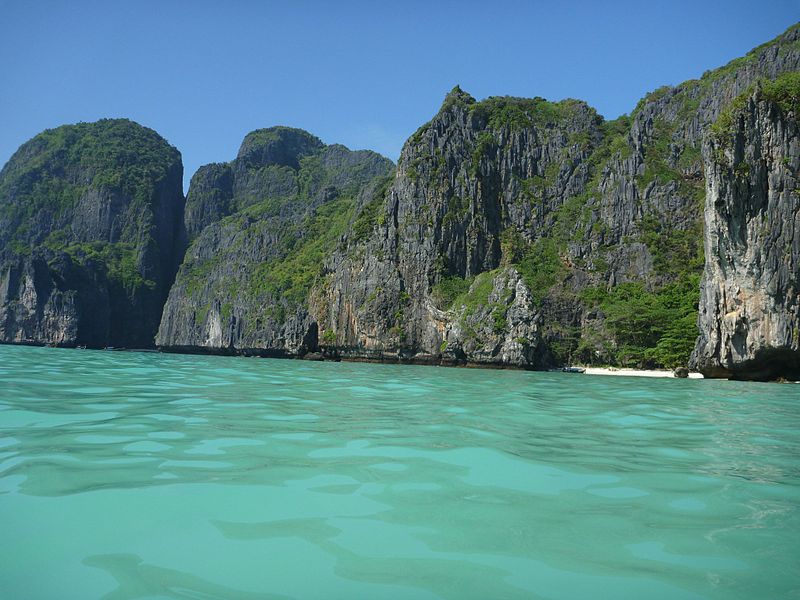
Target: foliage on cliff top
[520, 113]
[54, 169]
[782, 41]
[784, 91]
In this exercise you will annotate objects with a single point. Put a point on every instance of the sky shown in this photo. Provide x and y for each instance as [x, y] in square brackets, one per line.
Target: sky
[363, 74]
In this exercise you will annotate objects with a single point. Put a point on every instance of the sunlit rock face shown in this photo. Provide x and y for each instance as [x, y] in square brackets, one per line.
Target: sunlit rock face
[750, 299]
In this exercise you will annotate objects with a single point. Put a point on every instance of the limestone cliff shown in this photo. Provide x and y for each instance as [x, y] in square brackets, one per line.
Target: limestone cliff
[90, 229]
[261, 227]
[750, 295]
[478, 180]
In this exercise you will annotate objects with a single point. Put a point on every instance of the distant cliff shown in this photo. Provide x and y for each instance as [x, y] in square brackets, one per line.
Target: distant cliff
[261, 227]
[90, 230]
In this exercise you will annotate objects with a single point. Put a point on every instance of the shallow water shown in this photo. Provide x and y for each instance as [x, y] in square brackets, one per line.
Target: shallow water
[134, 475]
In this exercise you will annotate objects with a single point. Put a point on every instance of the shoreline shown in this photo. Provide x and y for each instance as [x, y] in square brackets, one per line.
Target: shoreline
[426, 360]
[613, 371]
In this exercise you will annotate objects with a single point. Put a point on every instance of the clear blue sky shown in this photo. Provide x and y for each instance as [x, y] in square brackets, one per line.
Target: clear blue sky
[365, 74]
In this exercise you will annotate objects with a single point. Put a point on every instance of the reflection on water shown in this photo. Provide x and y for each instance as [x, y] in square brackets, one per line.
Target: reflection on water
[127, 475]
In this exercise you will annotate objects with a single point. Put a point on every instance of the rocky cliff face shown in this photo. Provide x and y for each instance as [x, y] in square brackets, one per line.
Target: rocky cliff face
[261, 227]
[477, 184]
[598, 224]
[750, 295]
[90, 229]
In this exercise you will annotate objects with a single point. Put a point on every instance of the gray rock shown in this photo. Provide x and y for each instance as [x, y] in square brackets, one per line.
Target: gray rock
[616, 207]
[681, 372]
[750, 294]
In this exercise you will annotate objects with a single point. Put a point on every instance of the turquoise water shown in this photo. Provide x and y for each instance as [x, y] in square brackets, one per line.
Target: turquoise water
[134, 475]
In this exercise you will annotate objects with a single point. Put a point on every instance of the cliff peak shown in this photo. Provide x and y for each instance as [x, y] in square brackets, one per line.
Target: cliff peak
[277, 145]
[457, 97]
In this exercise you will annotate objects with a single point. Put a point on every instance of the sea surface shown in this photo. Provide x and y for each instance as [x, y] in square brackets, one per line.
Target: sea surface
[144, 475]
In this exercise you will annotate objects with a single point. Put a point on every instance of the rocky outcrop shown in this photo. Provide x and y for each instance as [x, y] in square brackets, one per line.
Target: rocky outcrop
[516, 232]
[499, 330]
[261, 227]
[90, 230]
[750, 296]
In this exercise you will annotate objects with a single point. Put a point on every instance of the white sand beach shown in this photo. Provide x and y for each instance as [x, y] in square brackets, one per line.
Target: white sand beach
[636, 372]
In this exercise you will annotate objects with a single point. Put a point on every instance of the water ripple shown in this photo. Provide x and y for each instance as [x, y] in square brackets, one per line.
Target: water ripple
[128, 475]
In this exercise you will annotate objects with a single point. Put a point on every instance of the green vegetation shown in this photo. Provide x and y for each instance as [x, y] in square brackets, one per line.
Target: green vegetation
[656, 157]
[726, 123]
[614, 143]
[477, 294]
[448, 289]
[484, 142]
[513, 246]
[457, 97]
[201, 314]
[675, 251]
[649, 328]
[269, 255]
[196, 274]
[499, 321]
[282, 143]
[372, 213]
[300, 258]
[55, 168]
[457, 209]
[533, 189]
[709, 77]
[226, 311]
[118, 261]
[783, 91]
[653, 96]
[116, 153]
[541, 267]
[269, 135]
[671, 310]
[521, 113]
[475, 299]
[690, 159]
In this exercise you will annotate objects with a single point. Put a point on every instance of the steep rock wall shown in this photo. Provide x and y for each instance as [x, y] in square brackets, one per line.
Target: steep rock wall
[750, 295]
